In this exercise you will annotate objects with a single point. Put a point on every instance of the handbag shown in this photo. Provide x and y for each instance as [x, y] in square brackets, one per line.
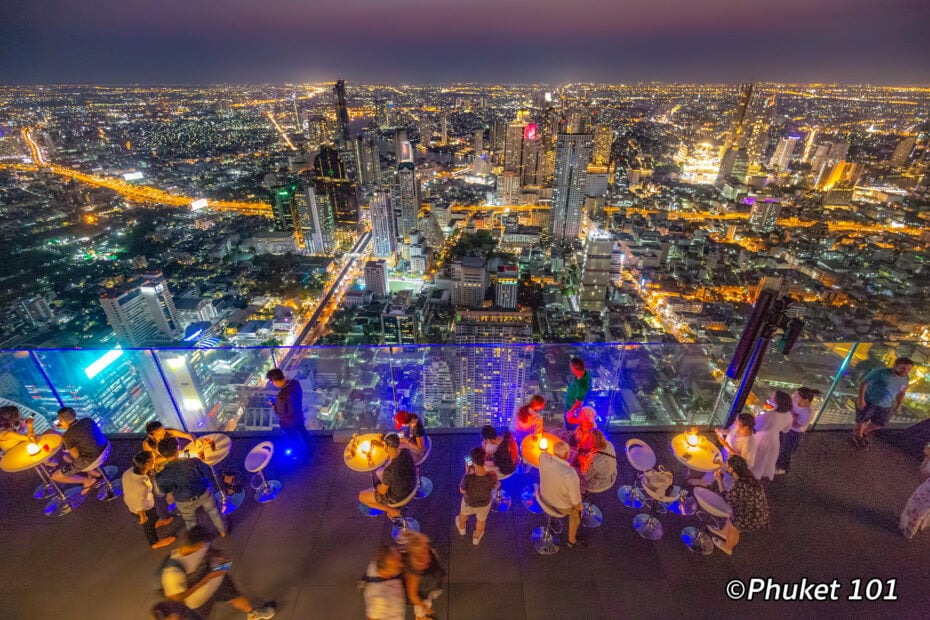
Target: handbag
[658, 480]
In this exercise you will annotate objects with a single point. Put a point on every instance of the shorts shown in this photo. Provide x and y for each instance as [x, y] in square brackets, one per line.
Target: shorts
[73, 467]
[381, 498]
[480, 511]
[226, 592]
[873, 413]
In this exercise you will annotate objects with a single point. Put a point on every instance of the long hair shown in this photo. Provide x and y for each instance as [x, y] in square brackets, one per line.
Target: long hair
[741, 468]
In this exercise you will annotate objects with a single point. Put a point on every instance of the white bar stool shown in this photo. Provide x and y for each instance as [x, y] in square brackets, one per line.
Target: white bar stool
[641, 458]
[713, 508]
[404, 523]
[546, 539]
[255, 462]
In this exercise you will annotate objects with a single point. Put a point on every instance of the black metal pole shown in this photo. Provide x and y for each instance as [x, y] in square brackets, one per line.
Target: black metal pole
[752, 369]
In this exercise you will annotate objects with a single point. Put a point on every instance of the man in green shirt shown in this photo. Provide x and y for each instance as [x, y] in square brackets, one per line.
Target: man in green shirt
[880, 396]
[576, 393]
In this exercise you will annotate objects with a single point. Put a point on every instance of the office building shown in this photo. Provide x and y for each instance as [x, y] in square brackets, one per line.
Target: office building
[408, 198]
[438, 389]
[376, 277]
[783, 152]
[603, 142]
[595, 274]
[902, 151]
[733, 165]
[368, 161]
[331, 181]
[749, 125]
[143, 312]
[505, 289]
[315, 221]
[444, 128]
[490, 379]
[571, 167]
[342, 114]
[282, 206]
[383, 237]
[399, 324]
[35, 310]
[479, 142]
[764, 215]
[469, 281]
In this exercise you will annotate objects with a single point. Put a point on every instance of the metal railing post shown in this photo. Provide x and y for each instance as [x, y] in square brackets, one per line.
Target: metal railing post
[174, 403]
[836, 381]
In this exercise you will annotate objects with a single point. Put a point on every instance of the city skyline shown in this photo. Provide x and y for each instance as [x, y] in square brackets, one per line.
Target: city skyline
[555, 42]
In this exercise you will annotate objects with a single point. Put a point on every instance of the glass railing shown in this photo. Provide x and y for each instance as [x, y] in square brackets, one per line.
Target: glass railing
[632, 384]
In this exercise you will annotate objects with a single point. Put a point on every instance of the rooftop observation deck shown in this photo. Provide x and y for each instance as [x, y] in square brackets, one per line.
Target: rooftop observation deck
[834, 517]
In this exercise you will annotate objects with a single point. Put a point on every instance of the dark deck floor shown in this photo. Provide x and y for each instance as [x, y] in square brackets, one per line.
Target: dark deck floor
[834, 517]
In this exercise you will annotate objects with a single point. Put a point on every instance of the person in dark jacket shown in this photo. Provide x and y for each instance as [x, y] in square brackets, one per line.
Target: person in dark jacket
[288, 405]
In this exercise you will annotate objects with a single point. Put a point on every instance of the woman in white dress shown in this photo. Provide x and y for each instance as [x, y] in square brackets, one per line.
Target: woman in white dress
[738, 440]
[916, 513]
[769, 427]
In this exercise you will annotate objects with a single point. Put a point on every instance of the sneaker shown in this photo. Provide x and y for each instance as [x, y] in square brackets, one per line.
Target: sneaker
[475, 539]
[164, 542]
[459, 527]
[780, 472]
[164, 522]
[261, 613]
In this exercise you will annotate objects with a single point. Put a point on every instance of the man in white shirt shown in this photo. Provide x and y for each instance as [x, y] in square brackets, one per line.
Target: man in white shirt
[560, 487]
[198, 576]
[140, 499]
[385, 596]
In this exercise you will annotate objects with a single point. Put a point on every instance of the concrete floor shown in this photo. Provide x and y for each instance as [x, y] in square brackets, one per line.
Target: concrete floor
[834, 517]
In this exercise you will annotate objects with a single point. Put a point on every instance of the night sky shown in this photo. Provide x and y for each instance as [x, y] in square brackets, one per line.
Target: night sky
[442, 41]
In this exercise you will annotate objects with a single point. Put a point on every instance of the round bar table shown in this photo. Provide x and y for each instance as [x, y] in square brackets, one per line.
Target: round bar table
[366, 453]
[696, 453]
[530, 450]
[212, 449]
[18, 459]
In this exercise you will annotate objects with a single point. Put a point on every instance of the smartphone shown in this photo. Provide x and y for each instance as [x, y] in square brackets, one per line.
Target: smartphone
[219, 567]
[468, 461]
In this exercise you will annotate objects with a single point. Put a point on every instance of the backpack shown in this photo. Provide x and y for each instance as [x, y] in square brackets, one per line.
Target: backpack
[168, 562]
[365, 580]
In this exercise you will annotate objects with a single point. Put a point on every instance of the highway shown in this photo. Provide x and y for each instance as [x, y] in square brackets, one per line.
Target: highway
[330, 300]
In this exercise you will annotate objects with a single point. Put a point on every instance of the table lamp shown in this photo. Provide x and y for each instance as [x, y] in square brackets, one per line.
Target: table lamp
[32, 449]
[543, 444]
[365, 447]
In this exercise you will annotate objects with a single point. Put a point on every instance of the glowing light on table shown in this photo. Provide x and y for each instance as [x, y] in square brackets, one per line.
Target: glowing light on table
[543, 444]
[32, 449]
[693, 440]
[365, 447]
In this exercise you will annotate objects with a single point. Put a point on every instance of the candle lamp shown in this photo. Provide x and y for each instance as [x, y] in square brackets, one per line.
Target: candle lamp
[32, 449]
[543, 444]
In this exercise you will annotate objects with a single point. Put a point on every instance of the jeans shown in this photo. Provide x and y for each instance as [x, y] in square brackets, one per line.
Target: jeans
[148, 528]
[789, 443]
[188, 510]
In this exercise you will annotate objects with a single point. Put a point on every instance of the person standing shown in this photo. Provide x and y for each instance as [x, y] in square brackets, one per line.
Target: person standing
[769, 427]
[198, 576]
[477, 487]
[423, 573]
[560, 487]
[186, 482]
[383, 590]
[576, 393]
[139, 497]
[881, 393]
[288, 405]
[801, 419]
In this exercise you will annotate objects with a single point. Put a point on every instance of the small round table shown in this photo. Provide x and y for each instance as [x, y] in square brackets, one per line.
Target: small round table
[703, 456]
[715, 507]
[18, 459]
[530, 450]
[366, 453]
[212, 449]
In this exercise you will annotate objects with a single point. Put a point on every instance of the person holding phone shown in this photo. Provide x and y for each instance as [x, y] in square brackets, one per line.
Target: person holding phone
[197, 575]
[477, 487]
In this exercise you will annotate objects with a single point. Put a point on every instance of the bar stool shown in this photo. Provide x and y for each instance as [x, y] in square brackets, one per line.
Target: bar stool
[546, 539]
[591, 515]
[713, 508]
[424, 484]
[642, 459]
[108, 488]
[501, 501]
[646, 524]
[406, 523]
[255, 462]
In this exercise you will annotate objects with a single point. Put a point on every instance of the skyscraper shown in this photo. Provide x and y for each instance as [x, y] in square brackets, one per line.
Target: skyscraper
[383, 237]
[376, 277]
[331, 181]
[764, 215]
[595, 275]
[315, 222]
[902, 151]
[408, 198]
[783, 152]
[342, 114]
[444, 128]
[469, 281]
[505, 290]
[571, 167]
[368, 160]
[603, 142]
[490, 379]
[282, 206]
[479, 142]
[750, 123]
[143, 312]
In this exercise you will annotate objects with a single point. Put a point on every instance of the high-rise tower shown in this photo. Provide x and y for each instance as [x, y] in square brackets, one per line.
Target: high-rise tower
[571, 169]
[383, 237]
[342, 114]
